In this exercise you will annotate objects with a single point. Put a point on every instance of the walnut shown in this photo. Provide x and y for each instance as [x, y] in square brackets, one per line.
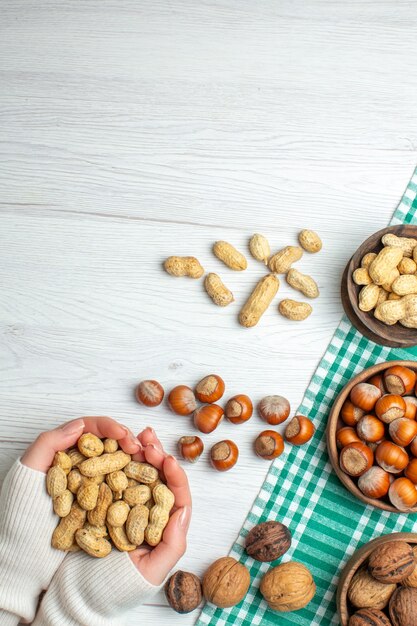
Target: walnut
[403, 607]
[369, 617]
[367, 593]
[288, 587]
[226, 582]
[392, 562]
[183, 592]
[411, 581]
[268, 541]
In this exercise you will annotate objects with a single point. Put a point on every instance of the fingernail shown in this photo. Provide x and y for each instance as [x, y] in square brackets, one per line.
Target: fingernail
[72, 427]
[133, 440]
[184, 518]
[172, 458]
[151, 429]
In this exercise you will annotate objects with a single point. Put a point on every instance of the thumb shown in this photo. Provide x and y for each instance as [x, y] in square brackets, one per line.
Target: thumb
[41, 452]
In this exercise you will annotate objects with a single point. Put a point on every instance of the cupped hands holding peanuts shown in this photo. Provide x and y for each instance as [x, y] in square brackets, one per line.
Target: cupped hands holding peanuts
[27, 523]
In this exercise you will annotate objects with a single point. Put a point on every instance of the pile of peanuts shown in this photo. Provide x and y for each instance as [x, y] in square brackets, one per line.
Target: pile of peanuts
[98, 491]
[182, 400]
[267, 287]
[389, 281]
[378, 443]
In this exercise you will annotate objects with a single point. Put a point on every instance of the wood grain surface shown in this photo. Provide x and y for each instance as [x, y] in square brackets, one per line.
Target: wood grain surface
[132, 131]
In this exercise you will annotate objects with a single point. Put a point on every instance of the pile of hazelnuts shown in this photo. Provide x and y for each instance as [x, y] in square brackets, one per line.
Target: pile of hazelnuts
[378, 444]
[182, 400]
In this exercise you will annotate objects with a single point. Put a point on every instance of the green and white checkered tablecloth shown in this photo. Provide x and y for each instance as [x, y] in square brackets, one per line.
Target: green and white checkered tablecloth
[301, 490]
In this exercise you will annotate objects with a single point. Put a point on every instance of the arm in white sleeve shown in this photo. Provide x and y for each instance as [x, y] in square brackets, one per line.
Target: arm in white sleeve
[87, 591]
[27, 559]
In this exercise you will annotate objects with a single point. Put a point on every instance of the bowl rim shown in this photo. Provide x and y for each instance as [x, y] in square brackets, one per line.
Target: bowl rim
[356, 561]
[362, 320]
[332, 449]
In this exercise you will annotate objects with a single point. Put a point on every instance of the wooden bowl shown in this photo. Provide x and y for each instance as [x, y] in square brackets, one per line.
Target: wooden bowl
[335, 422]
[344, 608]
[396, 336]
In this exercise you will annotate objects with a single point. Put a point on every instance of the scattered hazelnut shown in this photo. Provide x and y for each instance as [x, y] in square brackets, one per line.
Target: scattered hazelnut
[191, 448]
[356, 458]
[403, 607]
[224, 455]
[269, 444]
[268, 541]
[375, 482]
[183, 592]
[226, 582]
[149, 393]
[390, 407]
[210, 389]
[299, 430]
[274, 409]
[239, 409]
[392, 562]
[371, 429]
[391, 458]
[182, 401]
[208, 417]
[403, 494]
[366, 592]
[288, 587]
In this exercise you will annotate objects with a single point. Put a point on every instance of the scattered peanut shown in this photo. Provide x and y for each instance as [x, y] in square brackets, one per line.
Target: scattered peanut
[404, 285]
[63, 503]
[217, 290]
[281, 262]
[391, 276]
[92, 544]
[367, 259]
[56, 481]
[293, 310]
[98, 515]
[63, 535]
[110, 445]
[136, 524]
[310, 241]
[87, 495]
[259, 248]
[63, 460]
[74, 480]
[117, 481]
[183, 266]
[231, 257]
[119, 538]
[159, 514]
[142, 472]
[407, 266]
[386, 261]
[392, 311]
[104, 464]
[117, 513]
[138, 494]
[303, 283]
[258, 301]
[90, 445]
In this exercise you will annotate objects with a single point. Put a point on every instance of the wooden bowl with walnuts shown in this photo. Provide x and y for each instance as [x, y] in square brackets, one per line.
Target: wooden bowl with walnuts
[372, 436]
[364, 287]
[378, 585]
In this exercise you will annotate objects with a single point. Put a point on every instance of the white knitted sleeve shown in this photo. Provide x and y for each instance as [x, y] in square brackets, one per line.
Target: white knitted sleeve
[27, 559]
[87, 591]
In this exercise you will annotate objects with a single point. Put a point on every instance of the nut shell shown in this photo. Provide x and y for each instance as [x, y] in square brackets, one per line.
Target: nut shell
[369, 617]
[288, 587]
[268, 541]
[183, 592]
[226, 582]
[392, 562]
[403, 607]
[367, 593]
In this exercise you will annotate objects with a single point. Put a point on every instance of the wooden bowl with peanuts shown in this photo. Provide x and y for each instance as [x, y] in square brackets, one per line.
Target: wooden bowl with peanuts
[379, 287]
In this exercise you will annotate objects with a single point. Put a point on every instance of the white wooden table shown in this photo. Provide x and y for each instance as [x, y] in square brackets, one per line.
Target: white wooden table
[130, 131]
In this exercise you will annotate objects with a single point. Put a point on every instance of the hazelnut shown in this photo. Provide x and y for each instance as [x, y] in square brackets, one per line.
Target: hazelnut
[410, 407]
[226, 582]
[183, 592]
[210, 389]
[403, 494]
[378, 381]
[367, 593]
[369, 617]
[345, 436]
[356, 458]
[403, 607]
[149, 393]
[371, 429]
[350, 413]
[402, 431]
[268, 541]
[274, 409]
[375, 483]
[182, 401]
[190, 448]
[224, 455]
[392, 562]
[364, 396]
[288, 587]
[399, 380]
[239, 409]
[411, 471]
[208, 417]
[269, 444]
[391, 458]
[299, 431]
[390, 407]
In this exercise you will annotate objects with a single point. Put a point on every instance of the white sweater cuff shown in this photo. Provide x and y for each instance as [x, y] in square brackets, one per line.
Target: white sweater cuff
[88, 591]
[27, 521]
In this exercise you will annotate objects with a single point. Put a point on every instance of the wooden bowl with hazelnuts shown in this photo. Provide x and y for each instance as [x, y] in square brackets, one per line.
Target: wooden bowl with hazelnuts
[372, 436]
[389, 281]
[378, 585]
